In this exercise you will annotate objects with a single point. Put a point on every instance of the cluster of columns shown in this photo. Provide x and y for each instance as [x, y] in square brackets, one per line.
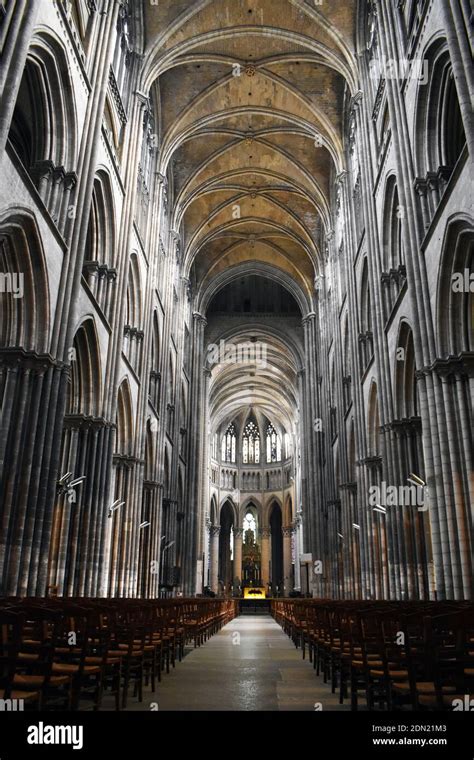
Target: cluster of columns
[364, 552]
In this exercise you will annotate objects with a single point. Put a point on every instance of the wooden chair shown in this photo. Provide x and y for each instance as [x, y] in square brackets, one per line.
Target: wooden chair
[11, 635]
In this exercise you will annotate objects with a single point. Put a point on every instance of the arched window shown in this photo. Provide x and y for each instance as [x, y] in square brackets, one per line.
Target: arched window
[228, 445]
[251, 444]
[273, 445]
[250, 524]
[145, 169]
[43, 127]
[124, 48]
[439, 129]
[287, 446]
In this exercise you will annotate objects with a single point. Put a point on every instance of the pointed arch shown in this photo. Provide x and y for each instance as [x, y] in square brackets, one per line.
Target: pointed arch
[43, 127]
[405, 374]
[455, 299]
[439, 129]
[84, 392]
[392, 238]
[251, 441]
[124, 438]
[373, 426]
[100, 243]
[25, 303]
[228, 444]
[134, 294]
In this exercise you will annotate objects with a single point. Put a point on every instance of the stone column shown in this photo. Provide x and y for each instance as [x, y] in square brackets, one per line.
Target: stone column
[287, 580]
[215, 530]
[196, 446]
[298, 524]
[14, 56]
[265, 554]
[238, 535]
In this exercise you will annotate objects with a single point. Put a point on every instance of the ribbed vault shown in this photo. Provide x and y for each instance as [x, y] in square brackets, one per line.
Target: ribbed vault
[250, 102]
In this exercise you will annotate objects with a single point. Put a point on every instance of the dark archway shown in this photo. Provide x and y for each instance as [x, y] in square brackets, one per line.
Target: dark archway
[225, 573]
[276, 570]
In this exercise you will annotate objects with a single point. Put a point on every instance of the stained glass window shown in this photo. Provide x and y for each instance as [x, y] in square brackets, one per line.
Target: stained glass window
[251, 444]
[228, 445]
[273, 445]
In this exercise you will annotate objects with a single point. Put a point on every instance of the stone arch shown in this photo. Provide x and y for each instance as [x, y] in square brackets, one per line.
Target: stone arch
[272, 498]
[213, 511]
[439, 129]
[125, 423]
[85, 381]
[405, 374]
[250, 501]
[392, 236]
[276, 525]
[373, 422]
[43, 127]
[302, 298]
[233, 506]
[455, 298]
[134, 294]
[25, 303]
[100, 243]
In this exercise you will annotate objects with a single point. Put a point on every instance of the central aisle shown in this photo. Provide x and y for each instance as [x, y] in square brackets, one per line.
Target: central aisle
[249, 665]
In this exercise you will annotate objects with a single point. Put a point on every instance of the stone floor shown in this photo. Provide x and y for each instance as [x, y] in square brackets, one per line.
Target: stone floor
[249, 665]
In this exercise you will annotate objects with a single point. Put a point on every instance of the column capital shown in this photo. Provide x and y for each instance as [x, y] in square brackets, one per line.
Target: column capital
[199, 318]
[215, 530]
[142, 98]
[341, 177]
[356, 100]
[265, 533]
[310, 317]
[318, 282]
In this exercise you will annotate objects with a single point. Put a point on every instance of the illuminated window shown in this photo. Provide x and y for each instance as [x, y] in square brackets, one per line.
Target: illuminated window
[287, 446]
[251, 444]
[273, 445]
[250, 524]
[228, 445]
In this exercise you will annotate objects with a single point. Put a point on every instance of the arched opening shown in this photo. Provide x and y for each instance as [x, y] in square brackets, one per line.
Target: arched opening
[276, 567]
[99, 254]
[120, 512]
[24, 304]
[154, 389]
[133, 334]
[366, 316]
[251, 442]
[43, 127]
[225, 572]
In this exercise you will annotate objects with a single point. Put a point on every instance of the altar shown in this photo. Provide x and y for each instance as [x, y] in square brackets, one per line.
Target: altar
[254, 592]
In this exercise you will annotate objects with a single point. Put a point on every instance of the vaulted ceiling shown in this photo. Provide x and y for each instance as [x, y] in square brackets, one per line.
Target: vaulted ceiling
[251, 99]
